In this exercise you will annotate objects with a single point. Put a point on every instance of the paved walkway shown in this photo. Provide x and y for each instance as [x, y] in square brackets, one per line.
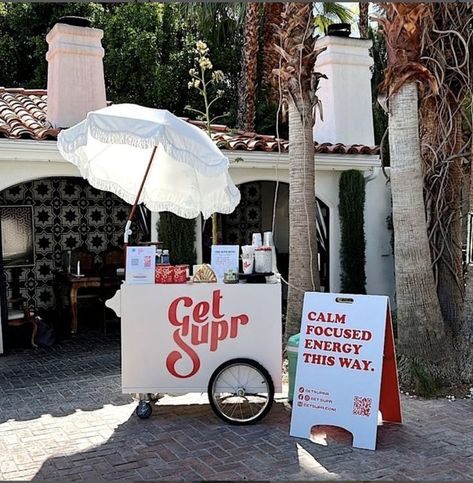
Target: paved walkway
[62, 416]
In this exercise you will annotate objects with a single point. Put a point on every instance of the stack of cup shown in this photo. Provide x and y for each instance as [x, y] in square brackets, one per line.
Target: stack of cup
[256, 240]
[247, 258]
[263, 259]
[268, 241]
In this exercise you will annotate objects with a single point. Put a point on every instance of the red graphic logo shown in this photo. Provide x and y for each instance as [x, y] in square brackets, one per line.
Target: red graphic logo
[199, 323]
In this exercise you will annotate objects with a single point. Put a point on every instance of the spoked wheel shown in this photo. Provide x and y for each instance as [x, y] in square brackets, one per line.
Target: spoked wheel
[241, 391]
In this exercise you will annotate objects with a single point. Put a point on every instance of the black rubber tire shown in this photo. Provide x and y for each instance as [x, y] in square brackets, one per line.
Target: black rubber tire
[144, 410]
[261, 370]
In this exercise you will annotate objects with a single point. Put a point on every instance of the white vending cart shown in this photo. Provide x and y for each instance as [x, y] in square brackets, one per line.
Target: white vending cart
[223, 339]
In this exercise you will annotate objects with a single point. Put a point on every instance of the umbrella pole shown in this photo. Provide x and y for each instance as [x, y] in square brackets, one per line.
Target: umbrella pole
[128, 230]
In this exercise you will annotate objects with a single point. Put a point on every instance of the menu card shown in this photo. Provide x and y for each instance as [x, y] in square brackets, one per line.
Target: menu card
[140, 264]
[223, 258]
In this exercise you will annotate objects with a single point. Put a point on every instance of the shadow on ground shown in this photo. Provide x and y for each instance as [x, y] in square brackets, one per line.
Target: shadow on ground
[101, 438]
[80, 372]
[188, 442]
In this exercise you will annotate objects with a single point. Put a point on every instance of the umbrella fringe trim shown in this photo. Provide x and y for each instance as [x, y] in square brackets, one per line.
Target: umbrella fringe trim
[75, 138]
[225, 203]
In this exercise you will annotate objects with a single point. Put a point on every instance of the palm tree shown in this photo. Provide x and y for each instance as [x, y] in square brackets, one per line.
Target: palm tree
[326, 14]
[248, 84]
[299, 84]
[422, 333]
[363, 19]
[272, 19]
[468, 305]
[445, 137]
[214, 21]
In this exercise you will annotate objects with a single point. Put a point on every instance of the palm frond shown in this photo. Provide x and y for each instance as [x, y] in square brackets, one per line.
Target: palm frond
[213, 19]
[327, 13]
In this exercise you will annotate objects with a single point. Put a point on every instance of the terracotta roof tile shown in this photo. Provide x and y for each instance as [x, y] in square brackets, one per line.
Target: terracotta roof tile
[23, 115]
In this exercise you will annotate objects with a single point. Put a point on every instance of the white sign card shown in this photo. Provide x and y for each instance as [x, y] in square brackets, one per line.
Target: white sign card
[342, 378]
[140, 264]
[223, 258]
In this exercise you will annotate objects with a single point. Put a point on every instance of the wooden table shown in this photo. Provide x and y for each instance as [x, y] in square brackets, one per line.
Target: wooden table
[76, 283]
[17, 318]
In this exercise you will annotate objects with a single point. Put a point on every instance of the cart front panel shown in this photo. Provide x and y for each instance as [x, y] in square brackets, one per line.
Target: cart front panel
[175, 336]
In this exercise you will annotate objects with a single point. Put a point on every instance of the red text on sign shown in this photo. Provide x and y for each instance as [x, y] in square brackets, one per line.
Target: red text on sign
[327, 317]
[356, 334]
[199, 323]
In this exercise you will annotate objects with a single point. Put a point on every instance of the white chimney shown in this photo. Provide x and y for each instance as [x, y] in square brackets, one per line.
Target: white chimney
[346, 95]
[76, 82]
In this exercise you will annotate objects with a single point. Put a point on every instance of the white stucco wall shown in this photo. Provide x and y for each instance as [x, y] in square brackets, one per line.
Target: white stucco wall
[22, 161]
[25, 160]
[379, 257]
[75, 74]
[13, 173]
[379, 260]
[346, 93]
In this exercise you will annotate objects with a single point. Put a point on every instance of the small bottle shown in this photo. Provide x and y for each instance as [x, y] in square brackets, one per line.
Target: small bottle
[159, 256]
[165, 257]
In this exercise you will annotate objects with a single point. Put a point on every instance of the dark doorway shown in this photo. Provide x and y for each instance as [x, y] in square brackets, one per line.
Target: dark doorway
[255, 214]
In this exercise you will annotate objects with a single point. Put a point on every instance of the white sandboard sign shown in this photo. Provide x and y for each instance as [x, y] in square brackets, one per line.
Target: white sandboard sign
[346, 366]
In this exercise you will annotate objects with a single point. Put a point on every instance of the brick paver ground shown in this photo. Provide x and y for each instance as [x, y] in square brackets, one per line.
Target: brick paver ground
[62, 415]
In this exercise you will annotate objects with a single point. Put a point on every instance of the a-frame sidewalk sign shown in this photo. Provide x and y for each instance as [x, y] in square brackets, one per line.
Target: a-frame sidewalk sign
[346, 369]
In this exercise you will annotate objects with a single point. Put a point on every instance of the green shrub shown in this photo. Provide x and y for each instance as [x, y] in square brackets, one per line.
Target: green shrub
[178, 236]
[352, 247]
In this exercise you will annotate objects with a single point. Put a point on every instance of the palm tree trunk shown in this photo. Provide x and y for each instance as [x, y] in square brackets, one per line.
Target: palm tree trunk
[299, 84]
[247, 95]
[272, 18]
[467, 327]
[468, 306]
[422, 334]
[450, 277]
[303, 259]
[363, 21]
[443, 188]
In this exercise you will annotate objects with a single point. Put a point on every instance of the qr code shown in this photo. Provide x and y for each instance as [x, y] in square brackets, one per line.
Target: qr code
[362, 406]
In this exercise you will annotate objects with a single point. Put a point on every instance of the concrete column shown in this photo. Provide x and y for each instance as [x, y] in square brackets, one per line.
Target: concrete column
[75, 74]
[346, 94]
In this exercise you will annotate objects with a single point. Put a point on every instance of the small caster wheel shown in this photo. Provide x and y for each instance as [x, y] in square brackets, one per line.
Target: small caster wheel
[144, 410]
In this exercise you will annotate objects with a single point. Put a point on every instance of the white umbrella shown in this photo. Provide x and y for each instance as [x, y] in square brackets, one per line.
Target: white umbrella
[151, 156]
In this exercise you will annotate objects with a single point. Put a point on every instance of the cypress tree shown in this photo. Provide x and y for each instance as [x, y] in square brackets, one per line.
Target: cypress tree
[178, 236]
[352, 247]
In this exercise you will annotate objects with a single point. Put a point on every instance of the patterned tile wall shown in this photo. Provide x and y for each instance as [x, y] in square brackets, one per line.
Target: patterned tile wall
[68, 213]
[246, 219]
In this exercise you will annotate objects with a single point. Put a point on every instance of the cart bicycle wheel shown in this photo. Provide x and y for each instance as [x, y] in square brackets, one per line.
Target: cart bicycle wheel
[241, 391]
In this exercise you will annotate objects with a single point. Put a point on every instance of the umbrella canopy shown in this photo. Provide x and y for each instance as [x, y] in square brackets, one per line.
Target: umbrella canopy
[112, 148]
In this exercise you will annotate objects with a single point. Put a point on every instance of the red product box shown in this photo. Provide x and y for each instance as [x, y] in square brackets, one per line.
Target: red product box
[164, 274]
[180, 273]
